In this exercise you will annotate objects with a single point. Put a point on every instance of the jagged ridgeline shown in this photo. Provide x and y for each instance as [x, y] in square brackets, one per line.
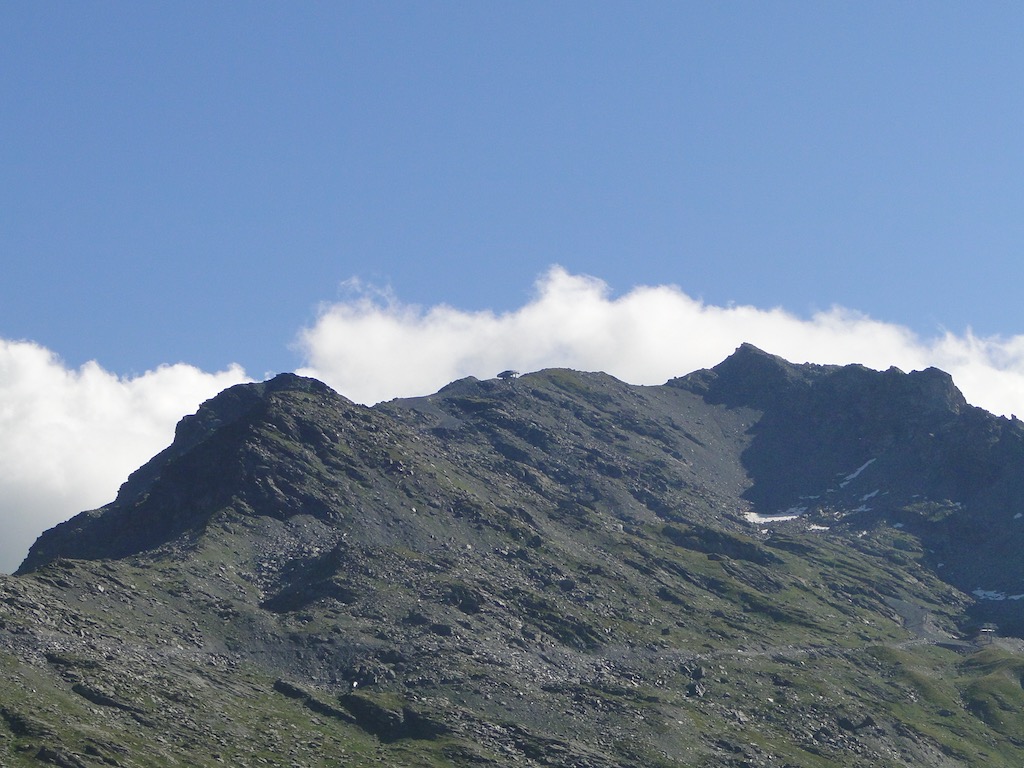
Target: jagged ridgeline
[760, 564]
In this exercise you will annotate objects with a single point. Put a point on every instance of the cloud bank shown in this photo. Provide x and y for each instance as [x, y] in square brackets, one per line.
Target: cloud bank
[69, 438]
[373, 347]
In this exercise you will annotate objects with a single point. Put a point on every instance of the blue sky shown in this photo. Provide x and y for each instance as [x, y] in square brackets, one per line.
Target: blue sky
[187, 181]
[196, 193]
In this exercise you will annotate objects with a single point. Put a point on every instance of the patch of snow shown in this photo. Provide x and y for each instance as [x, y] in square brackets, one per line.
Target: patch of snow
[897, 525]
[853, 475]
[989, 594]
[758, 519]
[813, 527]
[871, 495]
[805, 498]
[986, 594]
[862, 508]
[1018, 516]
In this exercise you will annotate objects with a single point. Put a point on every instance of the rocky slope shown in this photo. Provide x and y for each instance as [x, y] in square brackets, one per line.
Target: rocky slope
[762, 564]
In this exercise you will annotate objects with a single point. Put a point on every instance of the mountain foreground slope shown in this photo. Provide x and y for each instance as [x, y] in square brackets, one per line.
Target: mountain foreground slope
[760, 564]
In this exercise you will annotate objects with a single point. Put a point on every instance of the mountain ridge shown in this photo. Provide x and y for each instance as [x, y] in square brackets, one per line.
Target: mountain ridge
[762, 563]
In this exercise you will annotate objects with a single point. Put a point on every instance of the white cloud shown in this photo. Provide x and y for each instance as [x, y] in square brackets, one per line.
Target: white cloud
[69, 438]
[373, 347]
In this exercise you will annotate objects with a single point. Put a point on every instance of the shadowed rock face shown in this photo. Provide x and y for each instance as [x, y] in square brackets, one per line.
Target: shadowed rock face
[217, 454]
[919, 442]
[555, 569]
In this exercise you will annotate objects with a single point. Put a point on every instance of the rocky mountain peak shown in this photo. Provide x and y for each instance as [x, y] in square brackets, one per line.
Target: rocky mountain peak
[231, 448]
[239, 401]
[751, 377]
[754, 378]
[234, 404]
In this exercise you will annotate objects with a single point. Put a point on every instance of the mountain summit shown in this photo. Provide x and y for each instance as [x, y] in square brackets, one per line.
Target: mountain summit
[759, 564]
